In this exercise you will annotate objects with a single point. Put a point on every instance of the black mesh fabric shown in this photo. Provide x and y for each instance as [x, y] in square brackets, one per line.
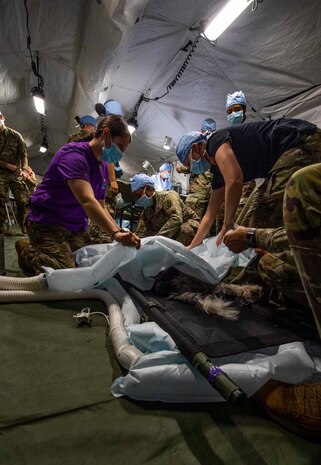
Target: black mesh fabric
[257, 327]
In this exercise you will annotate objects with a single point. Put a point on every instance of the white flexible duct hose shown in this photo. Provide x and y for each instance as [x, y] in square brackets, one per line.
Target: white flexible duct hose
[125, 352]
[34, 283]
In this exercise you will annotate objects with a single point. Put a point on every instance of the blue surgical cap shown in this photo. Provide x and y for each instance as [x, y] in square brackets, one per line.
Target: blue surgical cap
[185, 144]
[238, 98]
[113, 108]
[208, 125]
[165, 166]
[140, 181]
[87, 119]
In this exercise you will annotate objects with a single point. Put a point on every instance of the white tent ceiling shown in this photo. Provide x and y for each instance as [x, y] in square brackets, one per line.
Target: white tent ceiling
[92, 50]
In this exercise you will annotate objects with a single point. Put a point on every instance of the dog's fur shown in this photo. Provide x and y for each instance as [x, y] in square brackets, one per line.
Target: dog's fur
[221, 299]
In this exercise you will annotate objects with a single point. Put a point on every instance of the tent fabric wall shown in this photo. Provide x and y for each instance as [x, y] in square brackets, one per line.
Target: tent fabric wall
[94, 50]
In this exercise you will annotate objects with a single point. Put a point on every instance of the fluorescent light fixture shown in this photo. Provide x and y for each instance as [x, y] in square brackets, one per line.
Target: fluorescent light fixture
[225, 17]
[131, 129]
[44, 145]
[38, 100]
[132, 125]
[167, 142]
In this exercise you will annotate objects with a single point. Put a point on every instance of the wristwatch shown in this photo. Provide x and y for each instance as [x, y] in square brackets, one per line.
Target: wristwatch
[250, 238]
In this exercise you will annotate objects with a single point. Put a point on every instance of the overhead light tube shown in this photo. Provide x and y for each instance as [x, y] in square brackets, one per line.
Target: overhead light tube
[225, 17]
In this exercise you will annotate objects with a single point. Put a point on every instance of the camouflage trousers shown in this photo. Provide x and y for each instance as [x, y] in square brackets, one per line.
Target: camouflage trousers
[267, 206]
[20, 194]
[50, 245]
[248, 187]
[302, 208]
[302, 219]
[280, 273]
[97, 235]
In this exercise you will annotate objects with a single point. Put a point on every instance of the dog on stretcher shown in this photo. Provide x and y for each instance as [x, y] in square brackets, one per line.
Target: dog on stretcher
[220, 299]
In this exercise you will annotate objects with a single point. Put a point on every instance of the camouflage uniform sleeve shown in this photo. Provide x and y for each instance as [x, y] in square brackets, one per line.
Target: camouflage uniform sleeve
[272, 239]
[142, 229]
[80, 136]
[22, 150]
[172, 208]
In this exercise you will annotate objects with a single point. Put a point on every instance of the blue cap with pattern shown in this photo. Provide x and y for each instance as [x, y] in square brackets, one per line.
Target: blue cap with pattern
[238, 98]
[140, 181]
[165, 166]
[87, 119]
[113, 107]
[185, 143]
[209, 124]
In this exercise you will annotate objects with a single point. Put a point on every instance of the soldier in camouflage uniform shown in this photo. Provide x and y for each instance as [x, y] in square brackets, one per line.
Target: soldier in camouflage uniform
[275, 267]
[199, 191]
[302, 225]
[302, 219]
[298, 407]
[295, 248]
[13, 162]
[87, 125]
[164, 214]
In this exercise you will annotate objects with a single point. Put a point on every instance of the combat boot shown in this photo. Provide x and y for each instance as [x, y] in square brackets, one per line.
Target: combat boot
[308, 262]
[297, 407]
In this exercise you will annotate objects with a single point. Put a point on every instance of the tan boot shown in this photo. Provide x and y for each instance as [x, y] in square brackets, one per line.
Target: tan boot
[297, 407]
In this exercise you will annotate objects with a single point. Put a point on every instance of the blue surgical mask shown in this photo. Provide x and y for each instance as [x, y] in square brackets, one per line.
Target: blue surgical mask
[236, 117]
[200, 166]
[113, 154]
[145, 201]
[165, 175]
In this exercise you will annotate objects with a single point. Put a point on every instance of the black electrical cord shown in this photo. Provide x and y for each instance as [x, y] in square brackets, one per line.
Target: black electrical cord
[177, 77]
[182, 68]
[34, 65]
[43, 129]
